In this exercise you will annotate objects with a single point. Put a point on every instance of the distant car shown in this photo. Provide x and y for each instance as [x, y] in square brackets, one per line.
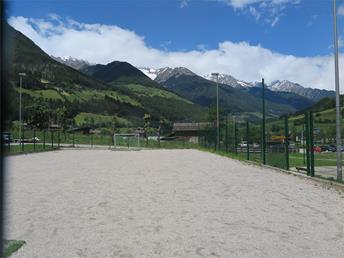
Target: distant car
[325, 148]
[243, 144]
[28, 140]
[35, 139]
[332, 148]
[6, 137]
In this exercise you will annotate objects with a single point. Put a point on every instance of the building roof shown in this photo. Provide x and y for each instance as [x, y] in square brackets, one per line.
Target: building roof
[191, 126]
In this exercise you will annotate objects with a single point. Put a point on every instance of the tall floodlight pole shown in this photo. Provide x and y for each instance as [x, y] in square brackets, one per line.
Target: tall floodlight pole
[338, 114]
[263, 124]
[216, 76]
[21, 75]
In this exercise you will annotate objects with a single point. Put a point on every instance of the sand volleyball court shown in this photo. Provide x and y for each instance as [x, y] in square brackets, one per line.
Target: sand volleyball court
[166, 203]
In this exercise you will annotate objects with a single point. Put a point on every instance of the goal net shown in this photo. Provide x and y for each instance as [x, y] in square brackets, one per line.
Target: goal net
[126, 140]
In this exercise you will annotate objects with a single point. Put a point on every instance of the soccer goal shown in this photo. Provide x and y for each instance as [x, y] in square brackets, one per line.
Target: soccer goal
[126, 140]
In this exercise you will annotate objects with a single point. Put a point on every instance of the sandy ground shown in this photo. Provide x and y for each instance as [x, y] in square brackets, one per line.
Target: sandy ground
[166, 203]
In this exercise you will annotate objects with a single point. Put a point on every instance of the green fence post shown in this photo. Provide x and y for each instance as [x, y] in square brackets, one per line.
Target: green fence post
[91, 140]
[235, 138]
[263, 125]
[44, 140]
[52, 139]
[226, 134]
[22, 139]
[34, 140]
[286, 141]
[247, 141]
[308, 159]
[303, 143]
[311, 142]
[58, 139]
[73, 139]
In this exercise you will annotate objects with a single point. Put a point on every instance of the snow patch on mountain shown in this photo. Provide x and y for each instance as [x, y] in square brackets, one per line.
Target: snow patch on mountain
[228, 80]
[167, 72]
[151, 72]
[72, 62]
[285, 85]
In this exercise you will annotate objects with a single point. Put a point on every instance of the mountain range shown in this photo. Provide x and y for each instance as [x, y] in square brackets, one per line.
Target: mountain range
[311, 94]
[50, 85]
[120, 90]
[72, 62]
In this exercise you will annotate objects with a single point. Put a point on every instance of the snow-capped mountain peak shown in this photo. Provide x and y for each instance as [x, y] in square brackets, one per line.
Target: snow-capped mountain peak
[162, 74]
[72, 62]
[228, 80]
[151, 72]
[284, 85]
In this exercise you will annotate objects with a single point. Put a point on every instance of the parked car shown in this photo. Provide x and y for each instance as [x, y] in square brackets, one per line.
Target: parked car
[332, 148]
[29, 140]
[243, 144]
[6, 137]
[35, 139]
[325, 148]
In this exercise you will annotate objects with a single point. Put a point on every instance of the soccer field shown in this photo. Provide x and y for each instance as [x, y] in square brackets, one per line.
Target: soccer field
[166, 203]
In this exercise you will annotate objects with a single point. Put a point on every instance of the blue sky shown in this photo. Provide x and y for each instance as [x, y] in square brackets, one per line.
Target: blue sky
[305, 29]
[300, 28]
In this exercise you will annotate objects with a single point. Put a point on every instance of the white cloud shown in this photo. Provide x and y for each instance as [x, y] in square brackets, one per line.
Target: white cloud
[271, 9]
[253, 11]
[341, 10]
[183, 3]
[99, 43]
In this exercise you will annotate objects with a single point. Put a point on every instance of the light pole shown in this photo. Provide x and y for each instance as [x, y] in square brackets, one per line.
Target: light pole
[21, 75]
[338, 114]
[216, 76]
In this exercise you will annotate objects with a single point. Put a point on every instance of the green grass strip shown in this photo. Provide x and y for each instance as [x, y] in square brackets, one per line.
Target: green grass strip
[11, 246]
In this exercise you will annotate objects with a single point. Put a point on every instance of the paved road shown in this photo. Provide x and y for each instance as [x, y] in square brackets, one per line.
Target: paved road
[166, 203]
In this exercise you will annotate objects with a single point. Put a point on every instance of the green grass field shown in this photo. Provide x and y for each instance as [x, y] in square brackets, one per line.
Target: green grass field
[320, 159]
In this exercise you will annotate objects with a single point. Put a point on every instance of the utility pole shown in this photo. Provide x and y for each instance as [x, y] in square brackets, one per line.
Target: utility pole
[338, 114]
[263, 125]
[216, 75]
[21, 75]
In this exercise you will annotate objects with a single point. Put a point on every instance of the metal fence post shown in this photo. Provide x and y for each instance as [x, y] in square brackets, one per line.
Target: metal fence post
[34, 140]
[263, 124]
[91, 140]
[303, 143]
[286, 135]
[247, 141]
[308, 159]
[22, 139]
[235, 138]
[73, 139]
[44, 140]
[311, 142]
[52, 139]
[58, 139]
[226, 134]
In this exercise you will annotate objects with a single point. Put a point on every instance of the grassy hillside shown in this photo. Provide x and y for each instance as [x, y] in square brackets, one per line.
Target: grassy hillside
[203, 92]
[50, 88]
[118, 72]
[157, 100]
[286, 98]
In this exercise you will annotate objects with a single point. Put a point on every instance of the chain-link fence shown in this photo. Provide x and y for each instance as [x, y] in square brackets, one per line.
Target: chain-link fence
[303, 143]
[31, 140]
